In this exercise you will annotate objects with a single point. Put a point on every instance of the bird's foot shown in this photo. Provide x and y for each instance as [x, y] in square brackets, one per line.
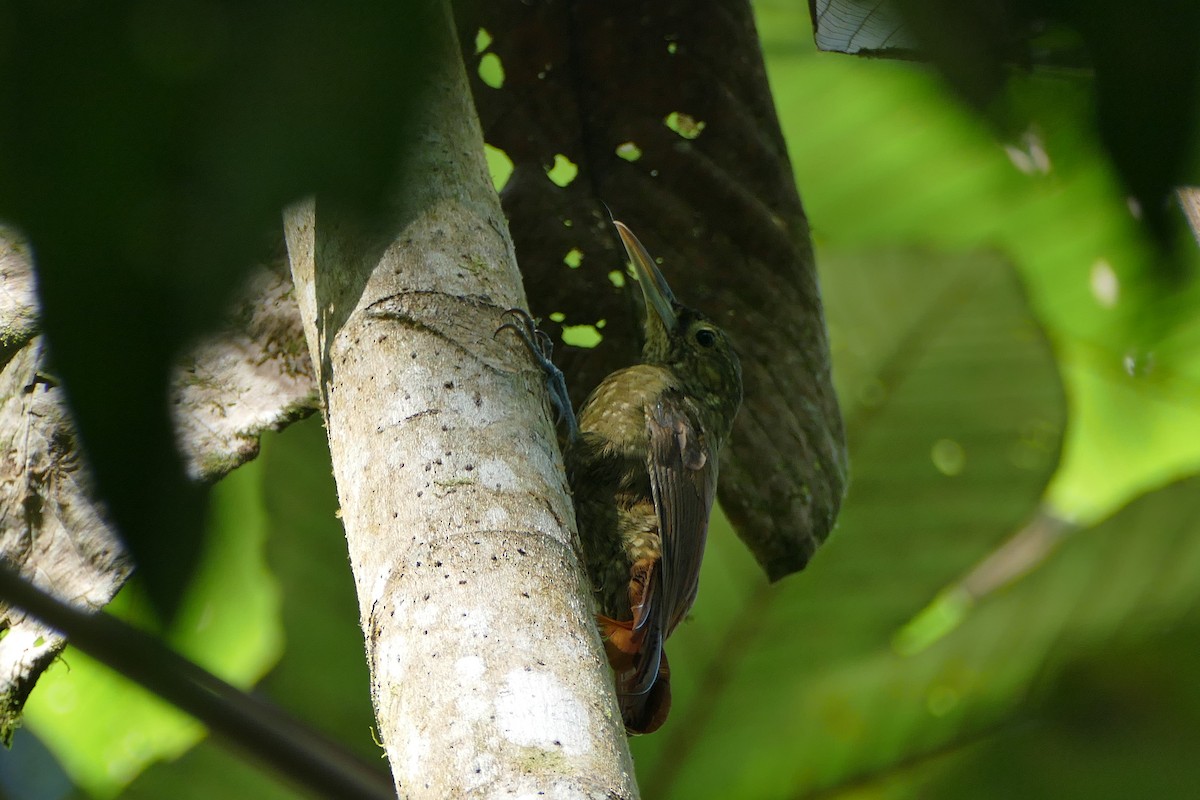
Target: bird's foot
[540, 346]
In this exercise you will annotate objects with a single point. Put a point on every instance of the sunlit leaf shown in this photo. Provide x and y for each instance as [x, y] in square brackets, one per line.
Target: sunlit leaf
[883, 154]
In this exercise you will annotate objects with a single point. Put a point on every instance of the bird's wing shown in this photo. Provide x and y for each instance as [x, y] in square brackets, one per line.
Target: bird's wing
[683, 480]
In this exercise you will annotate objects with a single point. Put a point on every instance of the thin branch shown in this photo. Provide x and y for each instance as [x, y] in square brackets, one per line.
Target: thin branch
[250, 723]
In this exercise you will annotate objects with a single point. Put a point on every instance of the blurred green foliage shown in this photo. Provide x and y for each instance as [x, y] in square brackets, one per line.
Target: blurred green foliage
[884, 156]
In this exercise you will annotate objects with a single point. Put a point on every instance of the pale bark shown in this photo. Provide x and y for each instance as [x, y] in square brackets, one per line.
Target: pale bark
[18, 298]
[1189, 201]
[52, 531]
[487, 672]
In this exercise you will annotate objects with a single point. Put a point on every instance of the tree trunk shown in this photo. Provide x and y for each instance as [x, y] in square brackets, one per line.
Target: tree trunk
[487, 672]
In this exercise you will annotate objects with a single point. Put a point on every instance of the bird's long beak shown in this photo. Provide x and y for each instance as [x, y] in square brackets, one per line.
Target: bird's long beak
[655, 290]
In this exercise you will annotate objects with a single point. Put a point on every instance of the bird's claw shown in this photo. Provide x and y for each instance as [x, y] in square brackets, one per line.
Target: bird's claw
[541, 347]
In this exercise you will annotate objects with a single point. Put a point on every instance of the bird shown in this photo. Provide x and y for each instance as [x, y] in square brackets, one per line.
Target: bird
[642, 459]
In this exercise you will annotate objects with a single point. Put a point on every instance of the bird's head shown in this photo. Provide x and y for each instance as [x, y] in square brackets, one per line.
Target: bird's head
[689, 343]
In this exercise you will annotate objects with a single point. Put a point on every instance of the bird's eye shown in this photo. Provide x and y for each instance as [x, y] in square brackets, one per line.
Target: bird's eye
[705, 337]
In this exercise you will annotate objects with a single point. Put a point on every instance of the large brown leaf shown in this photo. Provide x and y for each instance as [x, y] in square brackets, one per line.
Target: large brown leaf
[711, 193]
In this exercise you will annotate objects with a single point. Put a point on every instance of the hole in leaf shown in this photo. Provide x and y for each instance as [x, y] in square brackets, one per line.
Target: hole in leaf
[573, 258]
[491, 71]
[581, 335]
[685, 125]
[563, 171]
[483, 40]
[558, 316]
[629, 151]
[500, 166]
[617, 278]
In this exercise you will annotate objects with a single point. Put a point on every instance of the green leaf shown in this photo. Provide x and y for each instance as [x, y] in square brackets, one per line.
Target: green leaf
[884, 157]
[210, 770]
[323, 676]
[941, 350]
[1138, 744]
[1092, 658]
